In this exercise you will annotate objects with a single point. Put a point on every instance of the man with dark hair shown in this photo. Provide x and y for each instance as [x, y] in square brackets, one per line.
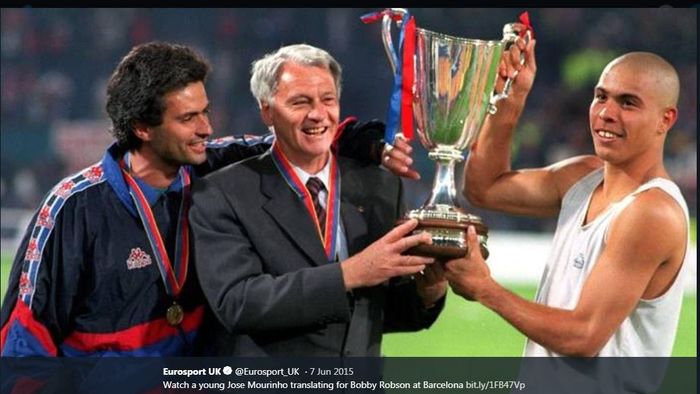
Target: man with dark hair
[137, 87]
[103, 268]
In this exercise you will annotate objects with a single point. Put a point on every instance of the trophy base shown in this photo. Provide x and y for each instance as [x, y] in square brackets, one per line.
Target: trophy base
[449, 237]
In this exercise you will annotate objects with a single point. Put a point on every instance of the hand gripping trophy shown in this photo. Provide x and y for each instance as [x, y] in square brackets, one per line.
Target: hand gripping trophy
[452, 93]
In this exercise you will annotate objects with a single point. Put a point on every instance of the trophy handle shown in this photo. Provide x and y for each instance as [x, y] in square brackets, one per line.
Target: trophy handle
[386, 34]
[510, 35]
[396, 14]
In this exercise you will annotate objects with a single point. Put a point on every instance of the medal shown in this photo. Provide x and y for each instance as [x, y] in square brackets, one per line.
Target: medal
[173, 273]
[174, 314]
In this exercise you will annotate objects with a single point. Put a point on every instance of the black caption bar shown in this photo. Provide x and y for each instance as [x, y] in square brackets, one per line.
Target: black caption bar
[348, 375]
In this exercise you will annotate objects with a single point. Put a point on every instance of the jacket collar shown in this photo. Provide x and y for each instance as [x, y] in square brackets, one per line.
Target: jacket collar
[288, 210]
[115, 178]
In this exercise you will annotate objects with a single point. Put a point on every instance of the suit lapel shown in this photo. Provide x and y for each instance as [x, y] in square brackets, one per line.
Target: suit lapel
[290, 214]
[351, 212]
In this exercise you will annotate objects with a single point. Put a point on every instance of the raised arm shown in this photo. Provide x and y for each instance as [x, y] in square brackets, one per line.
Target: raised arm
[489, 180]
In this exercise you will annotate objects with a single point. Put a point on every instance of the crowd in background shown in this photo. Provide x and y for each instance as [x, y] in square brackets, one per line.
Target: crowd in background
[55, 63]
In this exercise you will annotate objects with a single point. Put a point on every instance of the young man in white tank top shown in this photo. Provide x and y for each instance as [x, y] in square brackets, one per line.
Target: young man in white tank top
[612, 284]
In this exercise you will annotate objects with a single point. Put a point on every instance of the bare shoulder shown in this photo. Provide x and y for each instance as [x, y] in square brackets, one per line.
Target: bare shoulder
[649, 238]
[567, 172]
[654, 215]
[659, 207]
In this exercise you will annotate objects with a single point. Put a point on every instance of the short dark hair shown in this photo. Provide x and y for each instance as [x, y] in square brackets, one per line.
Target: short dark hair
[136, 89]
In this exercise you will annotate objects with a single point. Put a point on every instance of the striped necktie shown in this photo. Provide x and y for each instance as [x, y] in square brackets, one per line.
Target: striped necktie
[315, 186]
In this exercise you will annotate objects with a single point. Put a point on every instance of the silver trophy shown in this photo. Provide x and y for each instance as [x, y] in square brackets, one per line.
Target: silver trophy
[452, 94]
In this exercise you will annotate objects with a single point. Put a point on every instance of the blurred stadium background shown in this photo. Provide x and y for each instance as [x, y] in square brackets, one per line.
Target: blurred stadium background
[55, 64]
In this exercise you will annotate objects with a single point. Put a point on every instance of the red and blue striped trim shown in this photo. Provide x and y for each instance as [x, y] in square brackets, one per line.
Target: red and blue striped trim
[23, 335]
[154, 338]
[43, 225]
[246, 139]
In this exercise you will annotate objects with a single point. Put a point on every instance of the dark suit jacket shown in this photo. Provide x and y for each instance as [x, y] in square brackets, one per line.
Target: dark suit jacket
[264, 273]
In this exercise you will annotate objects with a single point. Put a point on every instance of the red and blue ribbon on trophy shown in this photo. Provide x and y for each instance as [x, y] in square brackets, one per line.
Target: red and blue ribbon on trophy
[401, 103]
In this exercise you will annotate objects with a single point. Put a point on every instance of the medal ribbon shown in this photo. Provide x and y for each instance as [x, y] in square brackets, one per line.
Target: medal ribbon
[332, 203]
[401, 103]
[174, 276]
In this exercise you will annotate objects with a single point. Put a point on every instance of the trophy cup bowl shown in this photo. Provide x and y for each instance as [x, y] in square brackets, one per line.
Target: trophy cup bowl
[452, 94]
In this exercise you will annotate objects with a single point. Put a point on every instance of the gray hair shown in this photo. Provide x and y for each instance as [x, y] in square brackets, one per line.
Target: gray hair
[265, 71]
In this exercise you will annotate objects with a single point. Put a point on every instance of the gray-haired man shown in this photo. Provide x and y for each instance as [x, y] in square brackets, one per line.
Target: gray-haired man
[304, 260]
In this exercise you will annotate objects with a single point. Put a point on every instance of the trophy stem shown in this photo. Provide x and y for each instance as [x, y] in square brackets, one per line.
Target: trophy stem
[442, 217]
[444, 192]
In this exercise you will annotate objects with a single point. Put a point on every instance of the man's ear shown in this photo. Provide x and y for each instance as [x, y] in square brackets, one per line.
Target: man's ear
[668, 119]
[266, 113]
[142, 131]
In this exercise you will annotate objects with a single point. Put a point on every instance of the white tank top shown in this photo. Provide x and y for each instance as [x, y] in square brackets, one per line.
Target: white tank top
[650, 329]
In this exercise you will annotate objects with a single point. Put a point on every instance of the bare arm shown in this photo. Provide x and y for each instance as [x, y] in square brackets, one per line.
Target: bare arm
[646, 268]
[489, 180]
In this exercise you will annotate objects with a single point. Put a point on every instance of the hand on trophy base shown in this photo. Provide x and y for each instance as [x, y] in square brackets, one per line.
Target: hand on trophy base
[449, 238]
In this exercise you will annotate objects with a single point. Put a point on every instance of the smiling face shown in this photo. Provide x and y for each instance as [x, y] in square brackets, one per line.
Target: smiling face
[630, 113]
[180, 138]
[304, 113]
